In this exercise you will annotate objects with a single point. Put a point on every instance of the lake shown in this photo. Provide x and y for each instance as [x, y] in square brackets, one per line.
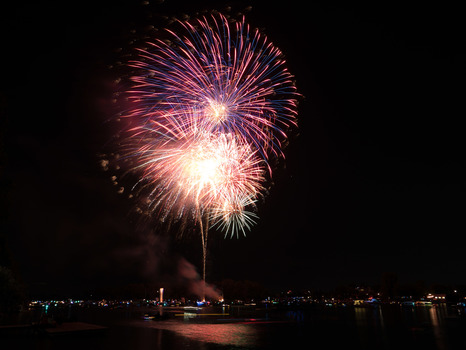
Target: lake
[439, 327]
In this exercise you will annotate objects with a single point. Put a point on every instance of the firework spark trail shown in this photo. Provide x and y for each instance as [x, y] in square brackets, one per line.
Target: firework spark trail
[210, 109]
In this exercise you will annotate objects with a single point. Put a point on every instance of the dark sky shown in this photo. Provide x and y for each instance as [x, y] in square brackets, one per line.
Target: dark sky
[374, 182]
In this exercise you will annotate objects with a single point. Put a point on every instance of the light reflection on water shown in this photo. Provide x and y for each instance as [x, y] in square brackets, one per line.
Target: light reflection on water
[235, 334]
[429, 326]
[439, 327]
[376, 327]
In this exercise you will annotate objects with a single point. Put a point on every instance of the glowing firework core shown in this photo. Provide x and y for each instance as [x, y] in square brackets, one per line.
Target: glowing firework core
[202, 168]
[205, 170]
[217, 111]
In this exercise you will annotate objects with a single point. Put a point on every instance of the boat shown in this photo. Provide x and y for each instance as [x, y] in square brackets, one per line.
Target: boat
[423, 303]
[408, 303]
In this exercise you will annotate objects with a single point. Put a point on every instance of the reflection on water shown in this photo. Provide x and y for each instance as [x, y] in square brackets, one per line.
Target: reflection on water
[438, 327]
[430, 326]
[236, 334]
[437, 330]
[378, 327]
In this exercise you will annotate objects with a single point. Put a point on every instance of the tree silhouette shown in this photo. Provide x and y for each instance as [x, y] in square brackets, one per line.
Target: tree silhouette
[11, 292]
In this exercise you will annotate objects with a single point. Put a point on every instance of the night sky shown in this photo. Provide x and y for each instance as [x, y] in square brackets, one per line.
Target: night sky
[373, 182]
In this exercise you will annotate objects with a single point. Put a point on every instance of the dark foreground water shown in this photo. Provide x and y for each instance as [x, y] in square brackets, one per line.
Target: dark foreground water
[315, 327]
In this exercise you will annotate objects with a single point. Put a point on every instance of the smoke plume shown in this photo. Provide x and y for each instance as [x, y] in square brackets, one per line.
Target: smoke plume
[195, 284]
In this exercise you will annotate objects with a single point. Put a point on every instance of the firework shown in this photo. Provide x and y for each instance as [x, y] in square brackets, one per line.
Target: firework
[192, 173]
[231, 77]
[210, 108]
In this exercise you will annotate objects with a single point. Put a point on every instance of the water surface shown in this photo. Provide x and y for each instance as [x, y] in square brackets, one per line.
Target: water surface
[312, 327]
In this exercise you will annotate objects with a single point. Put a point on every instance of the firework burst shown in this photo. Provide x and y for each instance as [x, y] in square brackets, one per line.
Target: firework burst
[232, 77]
[210, 108]
[193, 175]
